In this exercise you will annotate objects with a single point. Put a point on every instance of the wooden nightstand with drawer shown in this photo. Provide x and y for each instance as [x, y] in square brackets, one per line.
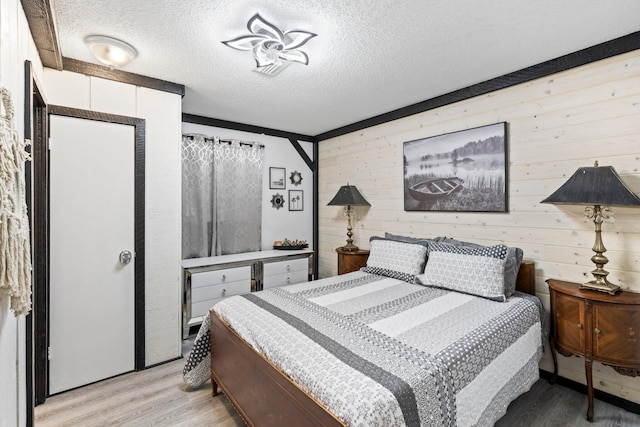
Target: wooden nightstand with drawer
[349, 261]
[596, 326]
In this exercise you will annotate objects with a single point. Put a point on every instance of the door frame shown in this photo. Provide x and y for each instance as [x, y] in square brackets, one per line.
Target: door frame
[41, 252]
[35, 130]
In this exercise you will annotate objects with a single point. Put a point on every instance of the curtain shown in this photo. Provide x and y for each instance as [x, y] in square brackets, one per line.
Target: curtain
[221, 196]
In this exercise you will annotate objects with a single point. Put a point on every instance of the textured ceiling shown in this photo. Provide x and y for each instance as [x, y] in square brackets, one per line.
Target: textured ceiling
[369, 58]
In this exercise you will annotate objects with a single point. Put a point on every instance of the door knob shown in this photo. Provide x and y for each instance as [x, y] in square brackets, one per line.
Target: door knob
[125, 257]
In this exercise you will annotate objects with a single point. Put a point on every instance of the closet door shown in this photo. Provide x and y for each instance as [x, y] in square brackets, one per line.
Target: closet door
[92, 273]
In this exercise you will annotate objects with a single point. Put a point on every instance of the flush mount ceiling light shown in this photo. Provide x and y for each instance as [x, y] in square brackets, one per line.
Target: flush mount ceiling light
[273, 49]
[111, 52]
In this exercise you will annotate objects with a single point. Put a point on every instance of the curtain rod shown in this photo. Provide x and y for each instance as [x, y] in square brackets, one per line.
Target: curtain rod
[224, 141]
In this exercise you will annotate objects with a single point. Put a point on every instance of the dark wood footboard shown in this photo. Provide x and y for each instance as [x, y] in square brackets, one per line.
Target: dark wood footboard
[260, 393]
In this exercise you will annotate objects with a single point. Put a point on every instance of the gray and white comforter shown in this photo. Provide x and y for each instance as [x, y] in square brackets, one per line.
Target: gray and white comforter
[377, 351]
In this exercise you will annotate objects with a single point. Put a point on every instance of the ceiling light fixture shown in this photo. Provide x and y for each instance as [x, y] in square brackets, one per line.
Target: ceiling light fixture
[273, 49]
[111, 52]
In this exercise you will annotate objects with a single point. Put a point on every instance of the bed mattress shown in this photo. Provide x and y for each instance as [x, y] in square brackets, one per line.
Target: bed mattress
[378, 351]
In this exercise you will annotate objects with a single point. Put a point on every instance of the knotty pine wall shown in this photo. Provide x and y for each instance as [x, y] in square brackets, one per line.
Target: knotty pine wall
[555, 125]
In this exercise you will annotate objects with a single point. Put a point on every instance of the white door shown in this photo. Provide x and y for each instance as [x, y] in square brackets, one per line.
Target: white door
[91, 308]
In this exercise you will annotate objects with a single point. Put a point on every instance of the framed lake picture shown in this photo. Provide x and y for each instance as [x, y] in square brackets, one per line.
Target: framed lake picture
[464, 171]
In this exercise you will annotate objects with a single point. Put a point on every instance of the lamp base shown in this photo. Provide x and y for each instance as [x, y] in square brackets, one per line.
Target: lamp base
[349, 247]
[602, 285]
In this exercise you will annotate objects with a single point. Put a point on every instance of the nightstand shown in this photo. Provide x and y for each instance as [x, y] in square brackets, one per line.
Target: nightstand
[349, 261]
[596, 326]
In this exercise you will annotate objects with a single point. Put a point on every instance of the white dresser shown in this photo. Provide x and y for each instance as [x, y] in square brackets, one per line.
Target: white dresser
[209, 280]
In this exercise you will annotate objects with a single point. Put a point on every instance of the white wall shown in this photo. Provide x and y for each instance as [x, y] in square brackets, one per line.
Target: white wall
[276, 223]
[16, 46]
[556, 124]
[162, 114]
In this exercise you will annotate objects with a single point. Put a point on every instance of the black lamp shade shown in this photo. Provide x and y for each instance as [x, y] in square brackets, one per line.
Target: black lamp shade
[597, 185]
[348, 195]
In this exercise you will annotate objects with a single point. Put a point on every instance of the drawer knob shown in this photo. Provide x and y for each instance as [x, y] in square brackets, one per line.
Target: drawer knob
[224, 277]
[224, 292]
[579, 325]
[288, 268]
[597, 330]
[288, 280]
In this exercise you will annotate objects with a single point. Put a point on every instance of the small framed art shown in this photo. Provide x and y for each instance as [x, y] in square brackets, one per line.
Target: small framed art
[277, 178]
[296, 200]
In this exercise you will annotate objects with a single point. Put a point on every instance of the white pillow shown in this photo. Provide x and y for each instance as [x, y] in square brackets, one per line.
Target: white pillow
[396, 259]
[477, 271]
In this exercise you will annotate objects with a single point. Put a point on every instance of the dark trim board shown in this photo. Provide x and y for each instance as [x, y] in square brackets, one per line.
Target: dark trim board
[43, 29]
[95, 70]
[35, 129]
[595, 53]
[316, 214]
[28, 134]
[625, 404]
[310, 163]
[208, 121]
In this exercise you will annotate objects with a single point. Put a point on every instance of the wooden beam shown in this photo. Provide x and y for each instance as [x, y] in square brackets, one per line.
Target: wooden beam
[95, 70]
[303, 154]
[209, 121]
[43, 30]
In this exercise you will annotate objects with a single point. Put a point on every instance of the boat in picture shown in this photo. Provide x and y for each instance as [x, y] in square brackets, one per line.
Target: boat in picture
[435, 188]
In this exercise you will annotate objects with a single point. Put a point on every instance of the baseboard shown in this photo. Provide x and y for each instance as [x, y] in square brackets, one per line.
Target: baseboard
[625, 404]
[163, 363]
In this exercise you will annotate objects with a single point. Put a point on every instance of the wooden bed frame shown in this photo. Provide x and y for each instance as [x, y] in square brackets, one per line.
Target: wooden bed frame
[264, 396]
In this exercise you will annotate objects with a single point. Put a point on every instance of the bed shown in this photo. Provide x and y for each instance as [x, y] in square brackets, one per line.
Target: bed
[404, 341]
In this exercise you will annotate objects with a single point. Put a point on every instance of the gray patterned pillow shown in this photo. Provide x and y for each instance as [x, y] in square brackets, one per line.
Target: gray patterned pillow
[512, 265]
[411, 239]
[396, 259]
[476, 271]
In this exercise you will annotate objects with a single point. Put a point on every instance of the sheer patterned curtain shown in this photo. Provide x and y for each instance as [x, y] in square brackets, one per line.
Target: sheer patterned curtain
[221, 196]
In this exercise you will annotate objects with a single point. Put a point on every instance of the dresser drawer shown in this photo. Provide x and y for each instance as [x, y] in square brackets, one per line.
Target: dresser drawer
[217, 277]
[199, 309]
[283, 267]
[289, 278]
[223, 290]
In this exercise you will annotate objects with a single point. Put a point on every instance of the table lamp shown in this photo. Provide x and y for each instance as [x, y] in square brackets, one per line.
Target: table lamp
[348, 195]
[601, 187]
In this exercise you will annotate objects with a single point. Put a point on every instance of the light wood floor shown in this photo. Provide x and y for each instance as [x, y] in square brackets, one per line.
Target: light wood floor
[158, 397]
[154, 397]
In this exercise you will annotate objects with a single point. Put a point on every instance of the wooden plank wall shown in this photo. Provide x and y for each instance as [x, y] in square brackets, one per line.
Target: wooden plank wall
[555, 125]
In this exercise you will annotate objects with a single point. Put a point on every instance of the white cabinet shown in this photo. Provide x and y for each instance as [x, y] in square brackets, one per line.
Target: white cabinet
[280, 273]
[209, 287]
[209, 280]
